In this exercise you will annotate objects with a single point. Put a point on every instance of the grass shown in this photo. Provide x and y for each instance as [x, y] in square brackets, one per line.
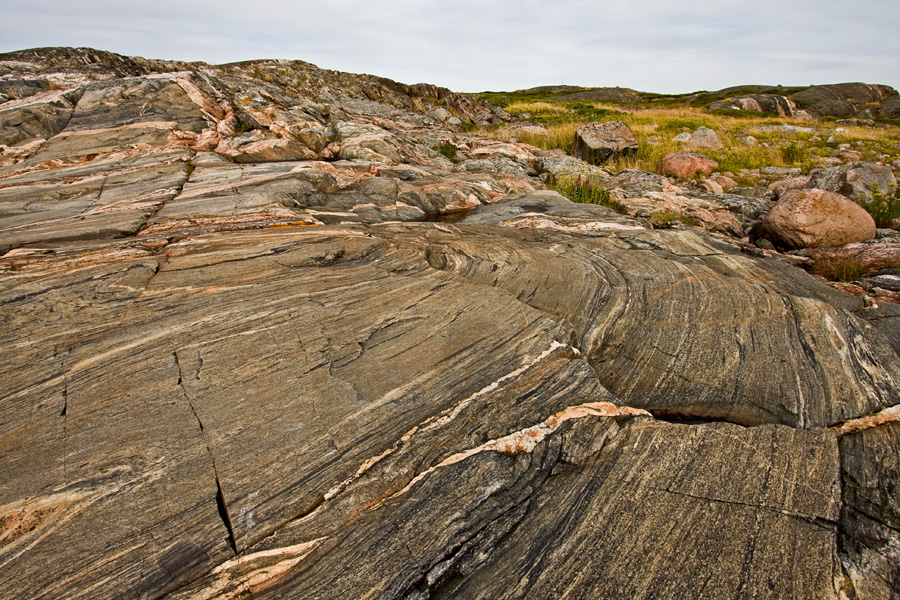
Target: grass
[448, 150]
[665, 219]
[884, 207]
[582, 190]
[839, 268]
[655, 125]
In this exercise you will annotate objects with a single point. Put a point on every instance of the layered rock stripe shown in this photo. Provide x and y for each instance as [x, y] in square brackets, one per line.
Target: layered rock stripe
[297, 379]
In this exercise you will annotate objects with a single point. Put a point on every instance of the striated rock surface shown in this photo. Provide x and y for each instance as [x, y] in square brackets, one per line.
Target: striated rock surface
[267, 340]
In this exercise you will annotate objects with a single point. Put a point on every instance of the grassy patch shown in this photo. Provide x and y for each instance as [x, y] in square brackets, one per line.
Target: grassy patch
[884, 207]
[657, 119]
[448, 150]
[665, 219]
[839, 268]
[584, 191]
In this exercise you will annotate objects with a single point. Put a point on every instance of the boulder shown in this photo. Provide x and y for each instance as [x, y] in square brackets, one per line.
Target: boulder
[817, 218]
[796, 182]
[703, 138]
[711, 186]
[599, 142]
[854, 180]
[687, 164]
[728, 184]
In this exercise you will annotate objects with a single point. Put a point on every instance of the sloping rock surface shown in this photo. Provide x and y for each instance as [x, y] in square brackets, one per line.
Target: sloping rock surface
[369, 371]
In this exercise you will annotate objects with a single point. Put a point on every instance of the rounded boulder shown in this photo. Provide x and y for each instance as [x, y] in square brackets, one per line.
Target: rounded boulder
[816, 218]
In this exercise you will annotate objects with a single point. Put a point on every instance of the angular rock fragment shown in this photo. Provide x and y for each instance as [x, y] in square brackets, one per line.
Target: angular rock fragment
[597, 143]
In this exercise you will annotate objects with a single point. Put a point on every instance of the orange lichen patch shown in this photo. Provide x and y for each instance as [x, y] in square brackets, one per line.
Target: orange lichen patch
[26, 517]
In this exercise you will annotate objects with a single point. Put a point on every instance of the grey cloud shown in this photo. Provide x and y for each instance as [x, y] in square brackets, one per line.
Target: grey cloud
[472, 45]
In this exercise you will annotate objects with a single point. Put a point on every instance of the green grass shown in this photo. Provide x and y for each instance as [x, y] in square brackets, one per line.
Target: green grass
[839, 268]
[884, 207]
[656, 119]
[582, 190]
[448, 150]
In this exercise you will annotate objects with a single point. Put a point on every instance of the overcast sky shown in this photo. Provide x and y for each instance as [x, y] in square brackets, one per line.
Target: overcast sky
[475, 45]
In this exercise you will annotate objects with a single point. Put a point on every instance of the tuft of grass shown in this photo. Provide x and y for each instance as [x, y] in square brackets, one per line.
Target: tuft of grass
[584, 191]
[884, 207]
[792, 153]
[665, 219]
[448, 150]
[839, 268]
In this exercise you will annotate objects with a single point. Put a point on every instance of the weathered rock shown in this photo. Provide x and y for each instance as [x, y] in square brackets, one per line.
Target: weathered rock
[702, 138]
[854, 180]
[871, 516]
[710, 186]
[816, 218]
[599, 142]
[248, 149]
[728, 184]
[227, 378]
[687, 164]
[890, 108]
[36, 117]
[770, 104]
[841, 100]
[797, 182]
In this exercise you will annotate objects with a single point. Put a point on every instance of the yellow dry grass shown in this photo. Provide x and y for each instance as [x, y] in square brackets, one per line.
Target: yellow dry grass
[654, 129]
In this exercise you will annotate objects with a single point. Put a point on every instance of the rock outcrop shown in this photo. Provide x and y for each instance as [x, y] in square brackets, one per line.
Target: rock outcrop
[842, 99]
[276, 331]
[770, 104]
[856, 180]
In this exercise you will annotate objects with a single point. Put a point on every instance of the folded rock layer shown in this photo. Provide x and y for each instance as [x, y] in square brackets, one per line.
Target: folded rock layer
[369, 373]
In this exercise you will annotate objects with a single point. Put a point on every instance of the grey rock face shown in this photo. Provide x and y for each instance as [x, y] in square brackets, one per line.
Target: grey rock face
[854, 180]
[599, 142]
[770, 104]
[374, 372]
[843, 99]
